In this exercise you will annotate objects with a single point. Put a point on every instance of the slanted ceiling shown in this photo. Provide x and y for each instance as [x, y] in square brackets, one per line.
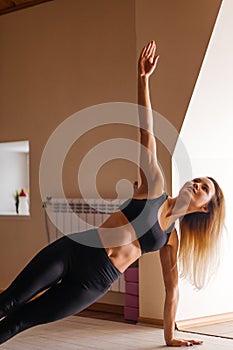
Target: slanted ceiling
[7, 6]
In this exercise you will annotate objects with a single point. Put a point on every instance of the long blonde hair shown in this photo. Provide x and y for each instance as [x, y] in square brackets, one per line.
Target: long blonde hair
[200, 241]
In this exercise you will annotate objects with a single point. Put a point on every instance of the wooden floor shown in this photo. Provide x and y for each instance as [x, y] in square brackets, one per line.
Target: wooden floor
[224, 329]
[76, 333]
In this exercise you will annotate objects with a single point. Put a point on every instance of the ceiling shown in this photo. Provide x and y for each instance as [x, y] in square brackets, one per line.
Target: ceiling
[7, 6]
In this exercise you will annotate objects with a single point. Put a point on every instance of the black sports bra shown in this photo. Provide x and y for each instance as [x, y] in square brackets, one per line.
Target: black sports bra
[143, 216]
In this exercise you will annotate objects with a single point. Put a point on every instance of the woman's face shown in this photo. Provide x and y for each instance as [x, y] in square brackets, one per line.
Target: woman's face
[199, 193]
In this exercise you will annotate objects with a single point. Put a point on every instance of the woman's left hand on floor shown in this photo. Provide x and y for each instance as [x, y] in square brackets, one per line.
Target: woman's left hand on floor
[183, 342]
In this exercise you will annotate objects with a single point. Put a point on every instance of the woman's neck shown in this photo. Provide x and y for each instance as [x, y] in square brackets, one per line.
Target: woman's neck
[171, 210]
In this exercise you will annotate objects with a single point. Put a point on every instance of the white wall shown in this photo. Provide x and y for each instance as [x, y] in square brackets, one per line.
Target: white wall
[13, 176]
[207, 134]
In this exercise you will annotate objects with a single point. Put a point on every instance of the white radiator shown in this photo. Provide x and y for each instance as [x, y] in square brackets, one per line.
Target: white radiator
[75, 215]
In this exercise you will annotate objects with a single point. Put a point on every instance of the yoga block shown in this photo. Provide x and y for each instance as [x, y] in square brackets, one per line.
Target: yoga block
[131, 300]
[132, 288]
[131, 313]
[131, 274]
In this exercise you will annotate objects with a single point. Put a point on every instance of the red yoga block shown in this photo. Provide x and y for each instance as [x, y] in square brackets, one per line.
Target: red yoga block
[132, 288]
[131, 313]
[131, 274]
[131, 300]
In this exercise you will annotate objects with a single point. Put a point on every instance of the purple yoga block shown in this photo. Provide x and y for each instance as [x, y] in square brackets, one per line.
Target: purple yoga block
[131, 313]
[131, 274]
[132, 288]
[131, 300]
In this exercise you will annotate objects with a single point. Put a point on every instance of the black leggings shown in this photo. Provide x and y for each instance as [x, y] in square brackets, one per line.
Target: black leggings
[74, 276]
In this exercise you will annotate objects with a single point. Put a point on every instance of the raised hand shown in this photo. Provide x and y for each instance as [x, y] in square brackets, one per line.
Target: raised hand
[183, 342]
[148, 60]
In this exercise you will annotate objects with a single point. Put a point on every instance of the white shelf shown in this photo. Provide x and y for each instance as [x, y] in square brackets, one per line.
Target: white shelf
[12, 215]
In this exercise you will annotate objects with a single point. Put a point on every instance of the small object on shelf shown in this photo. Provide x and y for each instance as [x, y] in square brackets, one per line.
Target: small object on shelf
[23, 208]
[17, 201]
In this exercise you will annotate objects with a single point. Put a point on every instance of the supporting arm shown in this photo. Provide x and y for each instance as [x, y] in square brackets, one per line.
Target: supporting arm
[168, 257]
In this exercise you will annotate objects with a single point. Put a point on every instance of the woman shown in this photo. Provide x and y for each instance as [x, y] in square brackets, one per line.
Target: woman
[74, 275]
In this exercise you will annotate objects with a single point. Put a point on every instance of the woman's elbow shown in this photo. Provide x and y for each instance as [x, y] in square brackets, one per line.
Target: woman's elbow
[172, 291]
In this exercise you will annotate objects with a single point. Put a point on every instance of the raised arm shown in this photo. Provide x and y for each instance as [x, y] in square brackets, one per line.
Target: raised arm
[146, 66]
[168, 257]
[151, 177]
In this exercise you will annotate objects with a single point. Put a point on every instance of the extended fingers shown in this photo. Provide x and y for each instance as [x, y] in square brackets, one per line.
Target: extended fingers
[143, 51]
[183, 342]
[194, 342]
[149, 49]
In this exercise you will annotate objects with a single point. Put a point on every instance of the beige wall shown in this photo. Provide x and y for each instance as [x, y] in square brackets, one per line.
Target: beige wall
[62, 56]
[57, 58]
[182, 30]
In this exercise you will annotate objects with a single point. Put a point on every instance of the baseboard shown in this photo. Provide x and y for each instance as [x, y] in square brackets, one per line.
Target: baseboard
[150, 321]
[114, 309]
[204, 321]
